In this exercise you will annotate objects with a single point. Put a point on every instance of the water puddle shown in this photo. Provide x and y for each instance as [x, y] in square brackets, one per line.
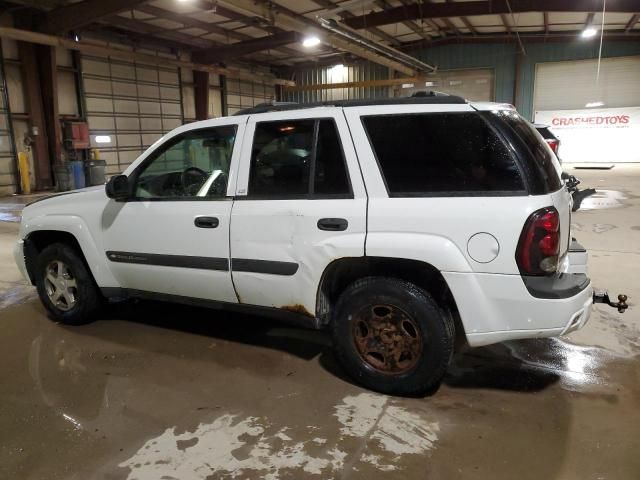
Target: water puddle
[236, 447]
[603, 199]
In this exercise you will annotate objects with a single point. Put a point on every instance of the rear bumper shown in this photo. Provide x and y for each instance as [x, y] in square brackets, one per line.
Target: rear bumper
[495, 308]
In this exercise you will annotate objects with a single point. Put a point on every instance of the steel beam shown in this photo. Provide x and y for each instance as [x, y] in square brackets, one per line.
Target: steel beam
[632, 22]
[129, 55]
[136, 26]
[201, 94]
[494, 7]
[37, 121]
[290, 20]
[235, 50]
[46, 57]
[77, 15]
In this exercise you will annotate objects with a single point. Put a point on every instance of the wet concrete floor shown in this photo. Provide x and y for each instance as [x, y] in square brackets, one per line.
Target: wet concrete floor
[153, 391]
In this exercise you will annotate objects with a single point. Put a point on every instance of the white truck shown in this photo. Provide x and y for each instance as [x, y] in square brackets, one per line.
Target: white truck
[400, 225]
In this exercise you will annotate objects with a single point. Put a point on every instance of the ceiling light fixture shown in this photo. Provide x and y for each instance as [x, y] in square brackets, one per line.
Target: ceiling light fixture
[589, 32]
[311, 42]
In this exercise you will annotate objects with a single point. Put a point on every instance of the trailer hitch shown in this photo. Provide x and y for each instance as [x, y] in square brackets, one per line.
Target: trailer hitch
[603, 297]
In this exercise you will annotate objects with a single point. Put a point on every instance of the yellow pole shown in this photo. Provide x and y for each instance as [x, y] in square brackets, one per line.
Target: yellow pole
[23, 168]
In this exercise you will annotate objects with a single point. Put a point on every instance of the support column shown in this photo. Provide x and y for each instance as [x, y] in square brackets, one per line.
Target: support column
[201, 94]
[37, 122]
[46, 57]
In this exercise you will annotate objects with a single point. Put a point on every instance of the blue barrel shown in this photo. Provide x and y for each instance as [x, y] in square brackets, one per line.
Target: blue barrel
[78, 174]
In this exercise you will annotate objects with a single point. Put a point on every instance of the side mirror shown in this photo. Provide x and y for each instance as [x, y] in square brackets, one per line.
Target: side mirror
[118, 188]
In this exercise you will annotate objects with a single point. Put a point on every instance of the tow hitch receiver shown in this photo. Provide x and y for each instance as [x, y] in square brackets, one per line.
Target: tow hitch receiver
[603, 297]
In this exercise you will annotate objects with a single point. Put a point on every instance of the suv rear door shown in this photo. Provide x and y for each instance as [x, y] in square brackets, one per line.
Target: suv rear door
[300, 204]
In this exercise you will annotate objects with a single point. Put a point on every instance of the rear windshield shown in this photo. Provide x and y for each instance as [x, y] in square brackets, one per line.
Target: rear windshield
[540, 151]
[427, 154]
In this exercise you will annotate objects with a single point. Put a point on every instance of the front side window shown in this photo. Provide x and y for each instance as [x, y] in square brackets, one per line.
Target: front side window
[297, 158]
[193, 165]
[441, 153]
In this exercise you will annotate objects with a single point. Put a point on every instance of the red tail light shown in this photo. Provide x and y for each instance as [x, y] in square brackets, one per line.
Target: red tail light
[554, 144]
[539, 244]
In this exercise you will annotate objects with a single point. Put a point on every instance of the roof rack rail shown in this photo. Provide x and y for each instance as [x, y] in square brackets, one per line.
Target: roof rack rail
[424, 97]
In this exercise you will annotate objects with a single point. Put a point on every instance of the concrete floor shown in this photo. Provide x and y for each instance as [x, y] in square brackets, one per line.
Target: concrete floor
[157, 392]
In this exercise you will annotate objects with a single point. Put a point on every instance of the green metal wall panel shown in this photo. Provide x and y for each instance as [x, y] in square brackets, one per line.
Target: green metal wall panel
[499, 57]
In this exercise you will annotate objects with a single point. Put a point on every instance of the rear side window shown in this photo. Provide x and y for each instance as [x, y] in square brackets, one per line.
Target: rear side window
[546, 133]
[298, 158]
[441, 153]
[536, 145]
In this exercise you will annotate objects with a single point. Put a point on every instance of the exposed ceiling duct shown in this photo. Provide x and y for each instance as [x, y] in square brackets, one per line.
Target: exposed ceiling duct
[282, 17]
[351, 35]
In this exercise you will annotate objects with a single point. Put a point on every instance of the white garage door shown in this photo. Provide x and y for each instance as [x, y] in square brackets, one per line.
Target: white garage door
[475, 85]
[242, 94]
[129, 106]
[597, 121]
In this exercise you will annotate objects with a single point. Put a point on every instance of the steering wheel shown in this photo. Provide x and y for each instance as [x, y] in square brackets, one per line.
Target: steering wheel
[192, 180]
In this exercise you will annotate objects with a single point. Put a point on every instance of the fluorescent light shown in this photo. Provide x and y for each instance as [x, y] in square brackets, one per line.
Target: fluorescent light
[103, 139]
[589, 32]
[311, 42]
[594, 104]
[408, 85]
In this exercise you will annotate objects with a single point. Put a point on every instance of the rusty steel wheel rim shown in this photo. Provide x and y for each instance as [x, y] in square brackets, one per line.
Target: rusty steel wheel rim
[387, 338]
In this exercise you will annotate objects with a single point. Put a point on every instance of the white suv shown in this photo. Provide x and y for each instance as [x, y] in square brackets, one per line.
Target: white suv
[396, 224]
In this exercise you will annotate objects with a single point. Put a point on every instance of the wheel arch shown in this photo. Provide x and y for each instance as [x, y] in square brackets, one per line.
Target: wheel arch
[38, 240]
[46, 230]
[341, 273]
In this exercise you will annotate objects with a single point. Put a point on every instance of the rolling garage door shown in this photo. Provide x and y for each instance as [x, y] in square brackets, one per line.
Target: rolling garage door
[130, 106]
[243, 94]
[597, 122]
[476, 85]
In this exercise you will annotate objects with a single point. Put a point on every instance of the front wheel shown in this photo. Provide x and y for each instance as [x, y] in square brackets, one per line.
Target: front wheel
[392, 337]
[65, 285]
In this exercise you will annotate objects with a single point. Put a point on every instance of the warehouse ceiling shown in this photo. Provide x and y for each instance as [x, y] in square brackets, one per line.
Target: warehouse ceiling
[272, 32]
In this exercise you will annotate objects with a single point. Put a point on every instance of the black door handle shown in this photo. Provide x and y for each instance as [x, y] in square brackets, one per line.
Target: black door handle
[333, 224]
[206, 222]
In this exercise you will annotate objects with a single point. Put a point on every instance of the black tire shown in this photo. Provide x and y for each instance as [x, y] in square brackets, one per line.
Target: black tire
[435, 330]
[88, 299]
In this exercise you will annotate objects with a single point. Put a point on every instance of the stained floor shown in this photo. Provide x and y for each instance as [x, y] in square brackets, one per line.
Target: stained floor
[152, 391]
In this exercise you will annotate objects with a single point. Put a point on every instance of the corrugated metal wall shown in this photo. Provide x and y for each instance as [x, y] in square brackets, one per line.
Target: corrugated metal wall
[336, 74]
[501, 57]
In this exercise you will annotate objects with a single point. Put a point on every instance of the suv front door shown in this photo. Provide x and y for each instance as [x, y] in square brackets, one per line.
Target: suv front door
[172, 235]
[300, 204]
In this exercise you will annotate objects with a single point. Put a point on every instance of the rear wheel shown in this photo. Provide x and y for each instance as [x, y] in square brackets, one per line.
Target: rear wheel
[65, 285]
[392, 337]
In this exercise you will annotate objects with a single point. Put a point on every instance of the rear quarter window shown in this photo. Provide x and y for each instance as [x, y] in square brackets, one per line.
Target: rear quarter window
[441, 153]
[539, 151]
